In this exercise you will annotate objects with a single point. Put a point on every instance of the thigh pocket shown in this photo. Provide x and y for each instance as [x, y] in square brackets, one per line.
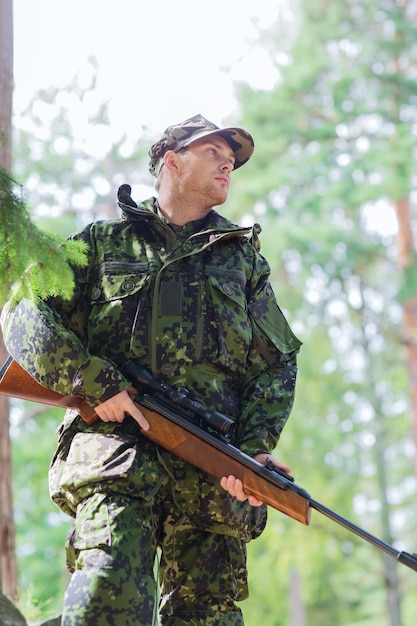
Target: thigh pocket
[92, 527]
[110, 463]
[90, 539]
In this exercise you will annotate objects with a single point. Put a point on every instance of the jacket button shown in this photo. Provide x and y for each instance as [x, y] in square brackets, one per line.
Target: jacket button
[227, 289]
[128, 285]
[96, 293]
[167, 369]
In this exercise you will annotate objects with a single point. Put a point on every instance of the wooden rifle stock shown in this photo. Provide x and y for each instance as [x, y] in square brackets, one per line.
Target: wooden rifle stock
[17, 383]
[190, 442]
[185, 441]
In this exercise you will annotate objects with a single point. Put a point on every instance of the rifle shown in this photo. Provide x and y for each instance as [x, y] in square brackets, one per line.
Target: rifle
[188, 430]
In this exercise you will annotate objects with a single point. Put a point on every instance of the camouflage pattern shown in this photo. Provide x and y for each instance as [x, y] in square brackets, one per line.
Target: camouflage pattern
[181, 135]
[198, 571]
[194, 305]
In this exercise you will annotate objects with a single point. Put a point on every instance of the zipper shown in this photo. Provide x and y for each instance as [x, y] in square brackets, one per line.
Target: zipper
[155, 300]
[201, 313]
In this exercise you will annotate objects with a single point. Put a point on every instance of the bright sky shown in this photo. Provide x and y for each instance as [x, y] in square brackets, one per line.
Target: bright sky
[160, 61]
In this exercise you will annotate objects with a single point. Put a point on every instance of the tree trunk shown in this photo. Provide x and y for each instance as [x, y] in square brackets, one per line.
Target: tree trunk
[8, 566]
[9, 614]
[298, 615]
[6, 81]
[406, 257]
[392, 581]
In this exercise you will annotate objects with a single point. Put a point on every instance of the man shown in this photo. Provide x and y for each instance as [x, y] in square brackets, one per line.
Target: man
[177, 288]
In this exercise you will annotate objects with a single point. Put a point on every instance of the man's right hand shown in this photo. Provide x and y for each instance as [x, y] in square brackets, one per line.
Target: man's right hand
[115, 408]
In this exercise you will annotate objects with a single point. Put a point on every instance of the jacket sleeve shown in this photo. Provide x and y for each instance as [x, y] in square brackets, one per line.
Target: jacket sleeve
[269, 386]
[48, 339]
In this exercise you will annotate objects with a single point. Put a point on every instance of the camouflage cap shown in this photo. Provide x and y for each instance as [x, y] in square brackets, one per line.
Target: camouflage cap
[180, 135]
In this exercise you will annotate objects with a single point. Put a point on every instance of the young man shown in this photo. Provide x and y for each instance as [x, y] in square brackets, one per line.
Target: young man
[183, 291]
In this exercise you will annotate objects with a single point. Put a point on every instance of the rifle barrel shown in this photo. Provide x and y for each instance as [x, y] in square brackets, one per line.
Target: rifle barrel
[294, 501]
[403, 557]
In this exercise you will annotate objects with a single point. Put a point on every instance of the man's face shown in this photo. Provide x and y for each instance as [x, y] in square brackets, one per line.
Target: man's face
[205, 167]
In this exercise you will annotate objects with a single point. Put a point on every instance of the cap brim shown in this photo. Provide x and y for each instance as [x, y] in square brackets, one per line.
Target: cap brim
[240, 141]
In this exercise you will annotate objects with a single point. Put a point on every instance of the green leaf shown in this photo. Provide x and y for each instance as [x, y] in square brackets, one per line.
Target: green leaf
[35, 263]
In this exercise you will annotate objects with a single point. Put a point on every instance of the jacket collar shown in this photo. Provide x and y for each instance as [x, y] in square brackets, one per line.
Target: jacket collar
[149, 210]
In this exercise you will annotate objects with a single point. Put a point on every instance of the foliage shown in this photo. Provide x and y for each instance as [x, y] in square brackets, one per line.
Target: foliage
[35, 264]
[33, 609]
[334, 151]
[67, 185]
[41, 527]
[72, 159]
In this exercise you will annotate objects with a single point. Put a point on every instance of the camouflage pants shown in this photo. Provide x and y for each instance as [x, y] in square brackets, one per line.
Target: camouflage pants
[132, 503]
[112, 550]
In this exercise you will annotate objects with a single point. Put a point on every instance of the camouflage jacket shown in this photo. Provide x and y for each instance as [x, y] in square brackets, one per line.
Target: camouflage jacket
[193, 304]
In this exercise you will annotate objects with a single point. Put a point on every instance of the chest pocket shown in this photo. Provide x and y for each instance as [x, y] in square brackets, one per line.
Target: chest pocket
[272, 333]
[117, 301]
[118, 281]
[231, 328]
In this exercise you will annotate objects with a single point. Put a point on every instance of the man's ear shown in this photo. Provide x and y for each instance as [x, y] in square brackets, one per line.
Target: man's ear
[170, 159]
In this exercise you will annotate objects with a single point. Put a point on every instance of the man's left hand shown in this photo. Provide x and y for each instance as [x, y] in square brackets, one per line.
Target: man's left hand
[234, 485]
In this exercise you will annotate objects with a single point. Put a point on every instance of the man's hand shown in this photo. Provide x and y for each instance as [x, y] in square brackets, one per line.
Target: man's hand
[235, 487]
[115, 408]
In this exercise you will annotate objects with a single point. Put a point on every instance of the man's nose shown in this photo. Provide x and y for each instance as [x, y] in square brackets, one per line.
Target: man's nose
[226, 165]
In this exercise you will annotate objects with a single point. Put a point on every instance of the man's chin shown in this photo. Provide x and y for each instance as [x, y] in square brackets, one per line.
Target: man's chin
[220, 198]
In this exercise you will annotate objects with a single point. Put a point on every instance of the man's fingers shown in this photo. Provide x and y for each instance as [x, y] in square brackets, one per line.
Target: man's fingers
[115, 408]
[138, 416]
[234, 487]
[109, 413]
[263, 456]
[135, 411]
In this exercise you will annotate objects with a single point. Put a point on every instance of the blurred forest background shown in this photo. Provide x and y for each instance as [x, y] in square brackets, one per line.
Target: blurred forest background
[333, 183]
